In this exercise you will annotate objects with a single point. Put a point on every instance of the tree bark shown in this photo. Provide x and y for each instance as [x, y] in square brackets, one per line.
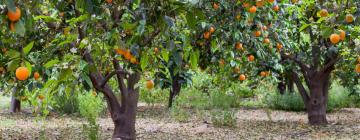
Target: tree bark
[316, 107]
[15, 105]
[175, 90]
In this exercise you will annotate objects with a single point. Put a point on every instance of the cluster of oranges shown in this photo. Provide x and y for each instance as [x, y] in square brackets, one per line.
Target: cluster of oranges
[335, 38]
[127, 55]
[349, 18]
[208, 33]
[260, 3]
[13, 17]
[23, 73]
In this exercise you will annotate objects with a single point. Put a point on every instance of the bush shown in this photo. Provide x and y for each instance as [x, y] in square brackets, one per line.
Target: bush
[339, 97]
[66, 103]
[90, 107]
[223, 118]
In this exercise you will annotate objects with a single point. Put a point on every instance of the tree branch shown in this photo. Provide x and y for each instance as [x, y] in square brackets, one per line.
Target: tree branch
[110, 75]
[119, 76]
[301, 88]
[329, 64]
[302, 65]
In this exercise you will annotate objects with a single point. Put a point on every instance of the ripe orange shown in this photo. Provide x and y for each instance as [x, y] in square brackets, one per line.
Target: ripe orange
[239, 46]
[22, 73]
[215, 6]
[246, 5]
[252, 9]
[4, 50]
[12, 27]
[279, 46]
[349, 18]
[156, 50]
[267, 41]
[251, 58]
[120, 51]
[127, 55]
[342, 34]
[334, 38]
[324, 13]
[212, 30]
[262, 74]
[276, 8]
[14, 16]
[149, 84]
[270, 1]
[242, 77]
[257, 33]
[238, 16]
[133, 60]
[221, 62]
[264, 28]
[259, 3]
[36, 75]
[207, 35]
[41, 97]
[109, 1]
[357, 68]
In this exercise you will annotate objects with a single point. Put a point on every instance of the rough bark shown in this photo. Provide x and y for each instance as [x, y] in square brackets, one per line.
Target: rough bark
[15, 105]
[175, 90]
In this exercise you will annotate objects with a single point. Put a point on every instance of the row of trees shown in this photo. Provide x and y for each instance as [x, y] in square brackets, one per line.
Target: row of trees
[95, 42]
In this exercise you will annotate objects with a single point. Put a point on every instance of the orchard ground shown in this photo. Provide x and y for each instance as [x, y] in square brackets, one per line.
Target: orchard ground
[155, 122]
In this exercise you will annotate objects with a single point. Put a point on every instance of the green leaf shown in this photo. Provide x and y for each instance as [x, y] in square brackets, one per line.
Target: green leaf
[194, 59]
[51, 63]
[12, 65]
[144, 62]
[13, 54]
[165, 55]
[303, 27]
[65, 74]
[20, 28]
[28, 66]
[28, 48]
[46, 18]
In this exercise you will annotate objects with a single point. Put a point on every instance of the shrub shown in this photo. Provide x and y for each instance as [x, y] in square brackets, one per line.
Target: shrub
[223, 118]
[66, 103]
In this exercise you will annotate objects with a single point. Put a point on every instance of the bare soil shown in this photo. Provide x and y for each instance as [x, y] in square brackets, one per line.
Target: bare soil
[157, 123]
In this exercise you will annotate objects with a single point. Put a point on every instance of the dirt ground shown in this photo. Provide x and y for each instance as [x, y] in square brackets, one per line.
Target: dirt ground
[157, 124]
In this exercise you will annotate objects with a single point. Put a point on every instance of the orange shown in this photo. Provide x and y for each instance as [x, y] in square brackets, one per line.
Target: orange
[156, 50]
[252, 9]
[270, 1]
[41, 97]
[14, 16]
[22, 73]
[334, 38]
[246, 5]
[239, 46]
[238, 16]
[342, 34]
[212, 30]
[215, 6]
[4, 50]
[257, 33]
[279, 46]
[242, 77]
[324, 13]
[120, 51]
[222, 62]
[259, 3]
[133, 60]
[276, 8]
[251, 58]
[149, 84]
[264, 28]
[207, 35]
[267, 41]
[12, 27]
[109, 1]
[263, 74]
[349, 18]
[36, 75]
[357, 68]
[127, 55]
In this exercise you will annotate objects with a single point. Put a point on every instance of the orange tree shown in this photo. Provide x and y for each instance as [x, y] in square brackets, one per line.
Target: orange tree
[308, 37]
[97, 40]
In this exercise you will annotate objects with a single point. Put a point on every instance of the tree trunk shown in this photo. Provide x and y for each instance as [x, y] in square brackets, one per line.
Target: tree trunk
[125, 125]
[316, 107]
[175, 90]
[15, 105]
